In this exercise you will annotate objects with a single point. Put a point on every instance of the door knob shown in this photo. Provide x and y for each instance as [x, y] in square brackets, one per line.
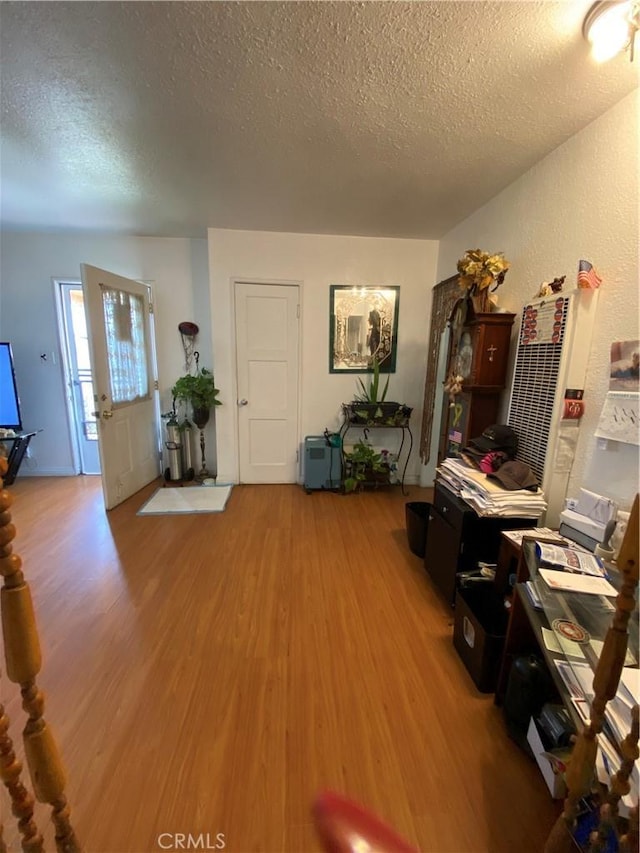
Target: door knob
[243, 402]
[107, 413]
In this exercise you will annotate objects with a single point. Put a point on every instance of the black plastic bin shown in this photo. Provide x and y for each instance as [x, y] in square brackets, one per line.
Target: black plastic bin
[479, 629]
[417, 515]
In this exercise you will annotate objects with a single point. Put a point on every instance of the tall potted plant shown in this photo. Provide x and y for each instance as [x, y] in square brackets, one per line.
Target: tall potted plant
[369, 407]
[199, 391]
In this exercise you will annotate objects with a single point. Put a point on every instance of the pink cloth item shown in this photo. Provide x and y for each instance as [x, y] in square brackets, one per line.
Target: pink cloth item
[486, 463]
[492, 461]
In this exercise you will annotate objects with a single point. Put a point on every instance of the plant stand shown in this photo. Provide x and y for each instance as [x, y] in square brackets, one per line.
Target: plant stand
[203, 473]
[201, 419]
[353, 419]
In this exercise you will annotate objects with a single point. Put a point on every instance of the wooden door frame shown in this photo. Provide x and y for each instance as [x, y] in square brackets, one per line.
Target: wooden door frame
[71, 415]
[235, 432]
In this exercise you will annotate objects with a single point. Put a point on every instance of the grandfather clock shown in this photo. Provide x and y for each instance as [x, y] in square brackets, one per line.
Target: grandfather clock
[479, 354]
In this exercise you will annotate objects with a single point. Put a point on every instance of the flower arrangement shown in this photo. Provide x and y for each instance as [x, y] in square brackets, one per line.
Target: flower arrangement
[479, 270]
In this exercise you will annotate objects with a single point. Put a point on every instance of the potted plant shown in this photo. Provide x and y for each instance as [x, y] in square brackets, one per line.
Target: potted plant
[363, 464]
[200, 392]
[369, 408]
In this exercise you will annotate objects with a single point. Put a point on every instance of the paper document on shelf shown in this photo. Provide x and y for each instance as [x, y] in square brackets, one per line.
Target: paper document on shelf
[584, 676]
[569, 582]
[516, 536]
[602, 771]
[568, 675]
[630, 678]
[618, 715]
[629, 658]
[582, 707]
[559, 645]
[570, 559]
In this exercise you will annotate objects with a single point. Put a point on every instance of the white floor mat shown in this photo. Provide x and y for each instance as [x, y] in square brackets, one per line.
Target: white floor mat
[168, 501]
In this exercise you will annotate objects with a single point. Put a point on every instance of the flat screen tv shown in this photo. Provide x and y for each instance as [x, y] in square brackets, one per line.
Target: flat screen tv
[9, 401]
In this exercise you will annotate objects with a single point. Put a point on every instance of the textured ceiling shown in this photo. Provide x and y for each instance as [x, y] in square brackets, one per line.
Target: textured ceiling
[379, 118]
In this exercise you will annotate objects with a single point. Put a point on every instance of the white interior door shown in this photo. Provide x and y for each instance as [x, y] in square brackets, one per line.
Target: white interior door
[118, 312]
[267, 320]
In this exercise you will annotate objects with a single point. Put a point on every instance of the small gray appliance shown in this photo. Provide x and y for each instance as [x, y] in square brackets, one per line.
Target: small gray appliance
[322, 462]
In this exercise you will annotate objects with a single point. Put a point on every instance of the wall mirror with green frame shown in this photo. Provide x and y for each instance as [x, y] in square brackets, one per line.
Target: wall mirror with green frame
[363, 326]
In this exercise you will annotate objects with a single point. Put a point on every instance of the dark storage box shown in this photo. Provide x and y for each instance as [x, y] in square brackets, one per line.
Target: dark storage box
[479, 630]
[417, 515]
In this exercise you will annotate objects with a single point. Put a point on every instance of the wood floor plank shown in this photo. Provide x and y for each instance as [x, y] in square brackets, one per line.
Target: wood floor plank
[212, 673]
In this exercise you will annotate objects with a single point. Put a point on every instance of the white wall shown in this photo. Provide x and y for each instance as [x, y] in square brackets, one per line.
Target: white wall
[581, 201]
[317, 262]
[177, 269]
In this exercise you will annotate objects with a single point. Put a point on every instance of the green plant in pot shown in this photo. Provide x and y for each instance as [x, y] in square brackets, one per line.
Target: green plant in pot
[363, 463]
[372, 394]
[199, 391]
[369, 406]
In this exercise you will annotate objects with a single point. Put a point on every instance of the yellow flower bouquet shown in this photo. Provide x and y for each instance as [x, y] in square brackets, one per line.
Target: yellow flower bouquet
[478, 271]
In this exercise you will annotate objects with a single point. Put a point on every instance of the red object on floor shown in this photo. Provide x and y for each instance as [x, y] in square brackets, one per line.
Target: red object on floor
[346, 827]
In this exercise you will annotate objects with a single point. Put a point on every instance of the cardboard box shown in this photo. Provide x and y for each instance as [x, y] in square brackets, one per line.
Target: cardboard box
[555, 782]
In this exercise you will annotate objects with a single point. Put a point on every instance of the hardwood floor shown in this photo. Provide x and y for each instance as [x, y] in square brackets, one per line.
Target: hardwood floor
[211, 673]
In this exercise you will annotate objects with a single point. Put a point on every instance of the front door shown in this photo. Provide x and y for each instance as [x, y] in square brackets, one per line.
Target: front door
[267, 320]
[118, 312]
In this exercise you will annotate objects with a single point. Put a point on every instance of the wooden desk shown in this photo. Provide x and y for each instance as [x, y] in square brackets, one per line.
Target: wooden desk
[458, 538]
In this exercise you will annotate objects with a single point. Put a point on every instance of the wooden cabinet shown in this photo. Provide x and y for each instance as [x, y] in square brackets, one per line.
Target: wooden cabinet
[479, 353]
[488, 336]
[457, 538]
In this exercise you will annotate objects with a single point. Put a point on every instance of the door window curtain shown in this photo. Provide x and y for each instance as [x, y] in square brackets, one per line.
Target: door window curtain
[124, 321]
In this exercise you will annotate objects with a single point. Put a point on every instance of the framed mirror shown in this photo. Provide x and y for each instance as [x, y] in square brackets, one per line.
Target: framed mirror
[363, 324]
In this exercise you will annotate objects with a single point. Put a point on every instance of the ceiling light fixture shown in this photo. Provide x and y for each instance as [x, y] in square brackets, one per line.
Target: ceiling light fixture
[610, 27]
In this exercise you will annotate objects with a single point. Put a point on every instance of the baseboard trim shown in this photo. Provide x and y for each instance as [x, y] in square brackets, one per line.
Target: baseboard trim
[47, 472]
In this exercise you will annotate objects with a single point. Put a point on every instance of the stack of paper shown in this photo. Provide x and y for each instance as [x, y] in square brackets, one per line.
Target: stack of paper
[571, 582]
[488, 497]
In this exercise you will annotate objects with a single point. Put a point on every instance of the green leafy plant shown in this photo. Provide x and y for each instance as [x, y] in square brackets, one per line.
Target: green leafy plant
[198, 389]
[372, 394]
[362, 462]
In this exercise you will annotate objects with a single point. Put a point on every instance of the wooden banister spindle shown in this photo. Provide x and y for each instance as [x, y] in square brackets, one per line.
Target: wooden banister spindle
[580, 772]
[23, 661]
[21, 799]
[620, 785]
[629, 842]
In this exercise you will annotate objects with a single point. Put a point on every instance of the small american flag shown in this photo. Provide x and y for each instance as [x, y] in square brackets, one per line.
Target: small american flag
[587, 276]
